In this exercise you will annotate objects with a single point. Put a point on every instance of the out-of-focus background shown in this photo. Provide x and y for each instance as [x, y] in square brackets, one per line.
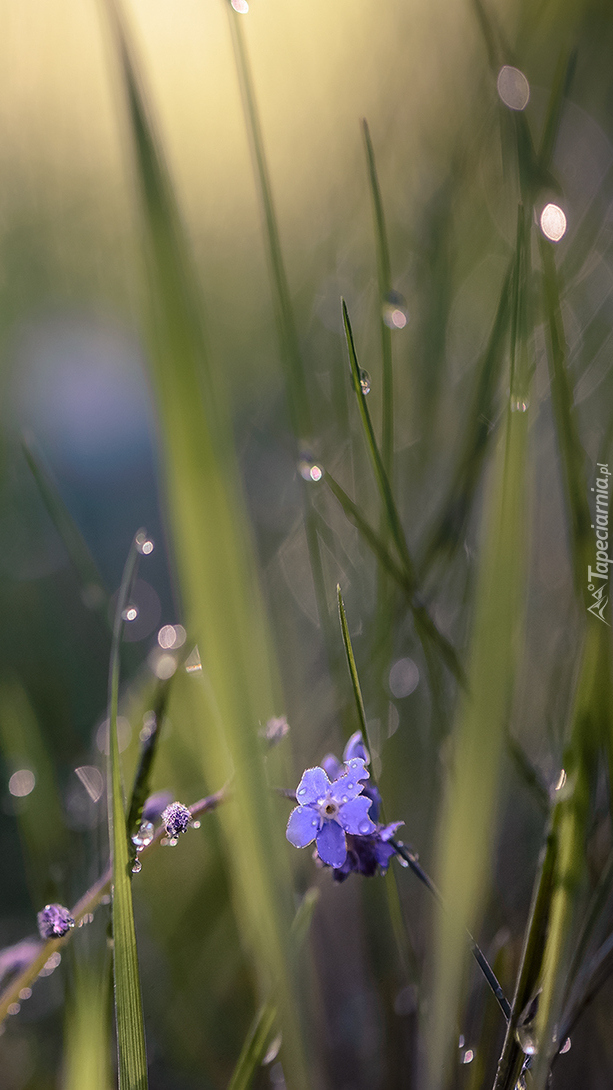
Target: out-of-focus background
[74, 380]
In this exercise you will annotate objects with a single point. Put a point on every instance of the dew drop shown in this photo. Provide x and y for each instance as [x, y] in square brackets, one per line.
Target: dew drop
[519, 404]
[403, 862]
[129, 614]
[565, 1046]
[345, 798]
[241, 6]
[468, 1056]
[144, 836]
[137, 866]
[13, 1008]
[314, 821]
[308, 469]
[144, 545]
[195, 824]
[395, 314]
[172, 841]
[302, 790]
[350, 786]
[526, 1040]
[364, 827]
[25, 993]
[365, 382]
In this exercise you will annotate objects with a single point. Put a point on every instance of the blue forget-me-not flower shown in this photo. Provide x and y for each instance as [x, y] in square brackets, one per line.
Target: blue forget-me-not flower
[338, 810]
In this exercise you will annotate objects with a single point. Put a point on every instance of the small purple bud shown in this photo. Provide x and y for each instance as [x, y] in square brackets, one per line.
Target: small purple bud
[176, 818]
[54, 921]
[155, 805]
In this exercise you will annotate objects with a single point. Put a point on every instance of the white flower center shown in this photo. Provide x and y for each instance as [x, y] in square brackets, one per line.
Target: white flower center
[327, 808]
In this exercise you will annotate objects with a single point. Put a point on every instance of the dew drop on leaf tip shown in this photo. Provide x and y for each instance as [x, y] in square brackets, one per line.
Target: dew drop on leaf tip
[365, 382]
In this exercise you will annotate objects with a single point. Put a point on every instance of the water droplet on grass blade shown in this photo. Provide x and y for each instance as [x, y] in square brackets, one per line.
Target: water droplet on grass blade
[241, 6]
[519, 404]
[365, 382]
[565, 1047]
[309, 470]
[129, 614]
[395, 313]
[144, 545]
[526, 1040]
[143, 836]
[137, 866]
[467, 1056]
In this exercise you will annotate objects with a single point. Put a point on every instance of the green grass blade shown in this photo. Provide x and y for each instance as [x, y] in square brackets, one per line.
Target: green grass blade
[131, 1051]
[465, 832]
[87, 1033]
[570, 822]
[353, 673]
[384, 276]
[559, 91]
[569, 444]
[449, 531]
[142, 778]
[381, 477]
[512, 1056]
[296, 382]
[92, 587]
[216, 566]
[254, 1048]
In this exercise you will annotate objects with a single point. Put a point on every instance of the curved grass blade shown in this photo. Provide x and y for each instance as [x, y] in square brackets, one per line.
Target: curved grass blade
[87, 1031]
[384, 275]
[216, 566]
[131, 1051]
[353, 673]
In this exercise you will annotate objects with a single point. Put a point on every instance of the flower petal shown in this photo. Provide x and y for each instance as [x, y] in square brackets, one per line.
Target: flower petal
[386, 832]
[332, 766]
[346, 787]
[314, 785]
[302, 826]
[358, 767]
[353, 816]
[331, 844]
[355, 748]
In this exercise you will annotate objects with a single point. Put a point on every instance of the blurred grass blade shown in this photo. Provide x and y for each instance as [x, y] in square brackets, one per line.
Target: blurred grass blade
[512, 1056]
[384, 276]
[87, 1027]
[236, 689]
[254, 1048]
[449, 532]
[92, 588]
[353, 673]
[469, 816]
[559, 91]
[571, 451]
[131, 1051]
[297, 390]
[570, 819]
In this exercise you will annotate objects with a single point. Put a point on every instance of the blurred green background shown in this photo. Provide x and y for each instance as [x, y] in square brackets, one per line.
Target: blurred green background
[74, 375]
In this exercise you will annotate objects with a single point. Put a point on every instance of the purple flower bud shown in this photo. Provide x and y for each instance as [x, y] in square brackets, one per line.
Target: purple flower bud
[54, 921]
[155, 805]
[176, 818]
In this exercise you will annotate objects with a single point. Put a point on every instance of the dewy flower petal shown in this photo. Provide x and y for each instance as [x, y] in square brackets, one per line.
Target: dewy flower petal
[313, 786]
[331, 844]
[353, 816]
[347, 787]
[302, 826]
[355, 748]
